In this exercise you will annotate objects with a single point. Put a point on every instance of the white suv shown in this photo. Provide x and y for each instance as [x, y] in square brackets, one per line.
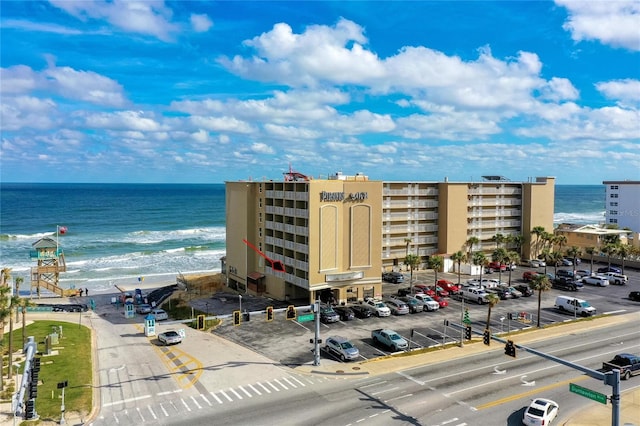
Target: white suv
[596, 280]
[379, 308]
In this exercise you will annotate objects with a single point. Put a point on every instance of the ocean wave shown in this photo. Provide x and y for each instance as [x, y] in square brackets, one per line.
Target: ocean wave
[34, 237]
[594, 217]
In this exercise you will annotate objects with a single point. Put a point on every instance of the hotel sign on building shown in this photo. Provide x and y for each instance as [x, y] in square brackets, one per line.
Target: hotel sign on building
[340, 196]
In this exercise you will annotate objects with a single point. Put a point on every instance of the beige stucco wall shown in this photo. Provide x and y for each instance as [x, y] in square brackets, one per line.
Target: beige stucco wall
[452, 217]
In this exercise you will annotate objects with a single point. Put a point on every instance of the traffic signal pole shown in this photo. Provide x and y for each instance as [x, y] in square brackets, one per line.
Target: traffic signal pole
[316, 344]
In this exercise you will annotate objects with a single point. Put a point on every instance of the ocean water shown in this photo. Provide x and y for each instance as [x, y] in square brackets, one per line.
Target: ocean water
[115, 232]
[128, 232]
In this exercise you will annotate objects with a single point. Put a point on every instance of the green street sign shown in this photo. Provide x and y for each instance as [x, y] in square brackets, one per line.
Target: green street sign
[588, 393]
[305, 318]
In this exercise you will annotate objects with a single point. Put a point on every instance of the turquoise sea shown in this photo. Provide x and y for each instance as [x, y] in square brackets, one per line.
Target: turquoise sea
[129, 231]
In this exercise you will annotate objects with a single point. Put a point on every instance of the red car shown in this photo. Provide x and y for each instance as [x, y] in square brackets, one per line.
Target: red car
[441, 301]
[497, 266]
[438, 292]
[449, 286]
[529, 275]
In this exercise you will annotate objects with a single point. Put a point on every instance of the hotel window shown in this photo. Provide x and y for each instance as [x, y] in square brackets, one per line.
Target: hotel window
[260, 217]
[613, 212]
[613, 196]
[613, 204]
[260, 232]
[260, 188]
[613, 220]
[613, 187]
[260, 202]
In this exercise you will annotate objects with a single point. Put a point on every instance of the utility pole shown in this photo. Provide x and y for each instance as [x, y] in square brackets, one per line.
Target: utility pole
[317, 341]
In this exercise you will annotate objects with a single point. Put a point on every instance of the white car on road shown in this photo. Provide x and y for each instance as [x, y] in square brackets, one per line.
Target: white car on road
[540, 412]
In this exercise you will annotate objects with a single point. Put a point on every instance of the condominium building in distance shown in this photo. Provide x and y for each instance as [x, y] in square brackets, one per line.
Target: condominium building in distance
[331, 238]
[622, 208]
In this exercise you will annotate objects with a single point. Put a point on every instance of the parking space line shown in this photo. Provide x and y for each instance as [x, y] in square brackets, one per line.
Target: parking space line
[152, 413]
[193, 398]
[226, 396]
[283, 386]
[244, 390]
[163, 410]
[140, 414]
[235, 393]
[185, 404]
[255, 390]
[263, 387]
[290, 383]
[207, 401]
[216, 398]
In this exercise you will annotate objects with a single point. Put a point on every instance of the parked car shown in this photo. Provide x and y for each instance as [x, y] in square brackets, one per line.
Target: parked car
[635, 296]
[540, 412]
[615, 278]
[514, 292]
[159, 314]
[449, 286]
[439, 291]
[169, 338]
[532, 263]
[574, 305]
[496, 266]
[398, 307]
[529, 275]
[341, 347]
[566, 262]
[565, 273]
[609, 269]
[378, 307]
[501, 292]
[143, 308]
[581, 273]
[345, 313]
[524, 289]
[596, 280]
[393, 277]
[361, 311]
[429, 303]
[389, 338]
[564, 283]
[414, 304]
[328, 315]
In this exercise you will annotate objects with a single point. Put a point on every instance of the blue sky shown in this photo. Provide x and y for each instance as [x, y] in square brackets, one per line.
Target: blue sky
[207, 92]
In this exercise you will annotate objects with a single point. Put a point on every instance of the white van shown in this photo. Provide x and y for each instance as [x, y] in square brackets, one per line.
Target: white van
[574, 305]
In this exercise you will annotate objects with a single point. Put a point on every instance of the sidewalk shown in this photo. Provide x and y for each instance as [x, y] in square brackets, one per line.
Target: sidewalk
[595, 415]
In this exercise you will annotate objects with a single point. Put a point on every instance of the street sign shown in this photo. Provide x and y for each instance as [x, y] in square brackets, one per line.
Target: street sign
[588, 393]
[305, 318]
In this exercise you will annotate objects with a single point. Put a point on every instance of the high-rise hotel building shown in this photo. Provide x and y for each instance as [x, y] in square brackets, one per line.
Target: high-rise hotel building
[303, 238]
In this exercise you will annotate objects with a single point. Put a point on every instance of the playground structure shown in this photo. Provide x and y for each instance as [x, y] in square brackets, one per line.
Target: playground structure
[51, 262]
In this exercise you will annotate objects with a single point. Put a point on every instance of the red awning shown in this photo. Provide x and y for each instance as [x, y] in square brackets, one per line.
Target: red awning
[255, 276]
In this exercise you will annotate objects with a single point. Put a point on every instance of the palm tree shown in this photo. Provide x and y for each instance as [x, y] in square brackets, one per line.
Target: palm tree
[609, 250]
[555, 257]
[5, 311]
[574, 252]
[546, 255]
[499, 255]
[413, 261]
[561, 240]
[458, 257]
[623, 251]
[547, 239]
[407, 242]
[471, 241]
[435, 263]
[18, 281]
[591, 251]
[512, 257]
[498, 239]
[24, 303]
[540, 283]
[13, 302]
[517, 240]
[480, 259]
[492, 300]
[537, 231]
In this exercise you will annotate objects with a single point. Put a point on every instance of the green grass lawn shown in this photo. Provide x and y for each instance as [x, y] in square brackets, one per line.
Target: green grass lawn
[70, 360]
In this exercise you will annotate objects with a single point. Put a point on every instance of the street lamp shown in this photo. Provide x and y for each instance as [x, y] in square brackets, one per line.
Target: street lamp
[207, 307]
[240, 302]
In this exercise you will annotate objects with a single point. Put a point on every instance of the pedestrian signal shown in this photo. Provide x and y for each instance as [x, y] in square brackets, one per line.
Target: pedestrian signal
[291, 312]
[486, 337]
[510, 348]
[467, 332]
[237, 319]
[269, 313]
[200, 322]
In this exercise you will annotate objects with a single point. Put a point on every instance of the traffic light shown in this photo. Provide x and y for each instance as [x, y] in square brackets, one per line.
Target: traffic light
[467, 332]
[33, 390]
[510, 348]
[486, 337]
[36, 364]
[30, 410]
[237, 319]
[269, 313]
[200, 322]
[291, 312]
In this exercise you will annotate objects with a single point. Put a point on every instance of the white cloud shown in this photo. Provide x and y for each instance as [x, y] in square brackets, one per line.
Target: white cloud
[626, 91]
[200, 23]
[261, 148]
[615, 22]
[123, 120]
[142, 17]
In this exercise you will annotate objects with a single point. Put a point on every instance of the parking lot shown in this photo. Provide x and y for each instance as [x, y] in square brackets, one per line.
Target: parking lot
[288, 342]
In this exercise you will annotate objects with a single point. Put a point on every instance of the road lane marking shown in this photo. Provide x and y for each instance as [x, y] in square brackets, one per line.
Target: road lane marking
[185, 404]
[280, 383]
[206, 400]
[301, 383]
[384, 391]
[235, 393]
[531, 392]
[140, 414]
[290, 383]
[193, 398]
[123, 401]
[226, 396]
[271, 384]
[406, 376]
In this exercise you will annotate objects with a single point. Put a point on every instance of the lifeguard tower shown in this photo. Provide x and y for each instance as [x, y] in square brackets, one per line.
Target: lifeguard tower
[50, 263]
